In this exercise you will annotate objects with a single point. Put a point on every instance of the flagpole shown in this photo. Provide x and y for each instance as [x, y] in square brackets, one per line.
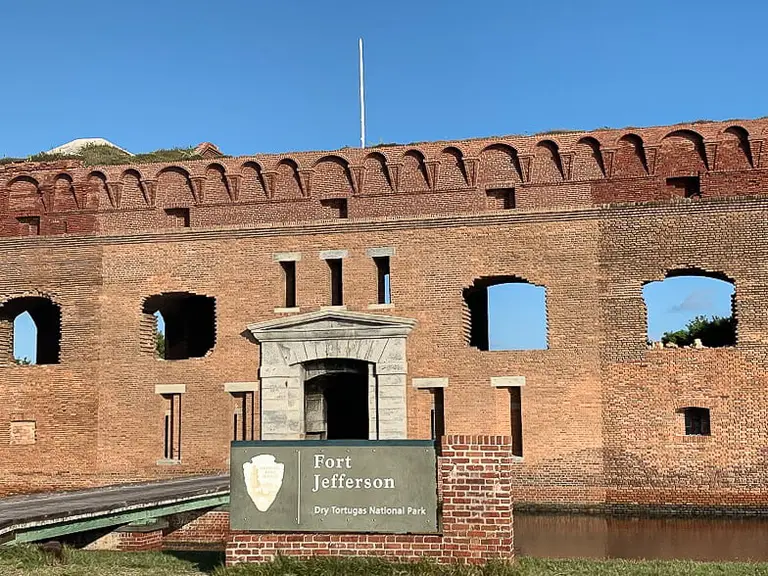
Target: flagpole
[362, 96]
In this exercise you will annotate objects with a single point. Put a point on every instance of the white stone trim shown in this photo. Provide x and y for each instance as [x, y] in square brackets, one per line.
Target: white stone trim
[293, 310]
[328, 308]
[241, 387]
[170, 388]
[429, 383]
[286, 256]
[333, 254]
[389, 306]
[379, 252]
[507, 381]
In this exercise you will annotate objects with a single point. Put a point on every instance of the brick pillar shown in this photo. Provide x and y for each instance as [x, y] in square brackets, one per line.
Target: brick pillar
[475, 488]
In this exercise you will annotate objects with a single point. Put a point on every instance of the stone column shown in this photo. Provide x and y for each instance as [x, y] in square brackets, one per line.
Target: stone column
[282, 397]
[391, 374]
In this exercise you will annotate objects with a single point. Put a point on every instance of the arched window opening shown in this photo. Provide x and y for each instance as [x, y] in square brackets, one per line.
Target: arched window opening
[33, 325]
[691, 309]
[181, 325]
[506, 313]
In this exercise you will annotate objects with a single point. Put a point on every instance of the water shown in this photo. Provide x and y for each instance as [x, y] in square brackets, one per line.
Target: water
[706, 539]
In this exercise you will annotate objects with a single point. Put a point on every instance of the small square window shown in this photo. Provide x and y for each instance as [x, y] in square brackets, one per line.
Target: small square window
[696, 421]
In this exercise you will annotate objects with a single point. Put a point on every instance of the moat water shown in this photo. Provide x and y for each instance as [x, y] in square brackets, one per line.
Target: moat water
[706, 539]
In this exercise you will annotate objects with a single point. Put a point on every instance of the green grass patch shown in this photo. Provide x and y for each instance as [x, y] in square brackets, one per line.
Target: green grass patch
[28, 560]
[104, 155]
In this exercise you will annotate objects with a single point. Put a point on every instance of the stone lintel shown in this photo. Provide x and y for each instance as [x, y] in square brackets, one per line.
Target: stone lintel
[286, 256]
[170, 388]
[429, 383]
[293, 310]
[379, 252]
[507, 381]
[333, 254]
[241, 387]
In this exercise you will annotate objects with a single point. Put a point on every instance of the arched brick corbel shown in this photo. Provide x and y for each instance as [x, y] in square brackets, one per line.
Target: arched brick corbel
[270, 178]
[756, 147]
[149, 187]
[357, 174]
[81, 193]
[433, 173]
[46, 195]
[608, 155]
[566, 162]
[233, 186]
[394, 169]
[526, 160]
[471, 165]
[198, 188]
[113, 191]
[710, 154]
[651, 155]
[305, 180]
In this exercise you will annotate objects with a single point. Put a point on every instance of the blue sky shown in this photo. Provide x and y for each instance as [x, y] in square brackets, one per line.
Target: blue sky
[279, 76]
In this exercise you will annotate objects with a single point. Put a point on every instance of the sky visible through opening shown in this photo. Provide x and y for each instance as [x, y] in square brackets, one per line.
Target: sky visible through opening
[206, 71]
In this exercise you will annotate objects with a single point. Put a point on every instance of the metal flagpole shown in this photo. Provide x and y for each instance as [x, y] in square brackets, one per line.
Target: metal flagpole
[362, 97]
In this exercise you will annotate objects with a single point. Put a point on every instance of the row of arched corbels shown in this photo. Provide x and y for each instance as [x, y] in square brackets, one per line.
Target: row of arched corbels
[432, 166]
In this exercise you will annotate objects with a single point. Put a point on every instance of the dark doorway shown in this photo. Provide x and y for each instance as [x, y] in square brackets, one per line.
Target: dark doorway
[336, 400]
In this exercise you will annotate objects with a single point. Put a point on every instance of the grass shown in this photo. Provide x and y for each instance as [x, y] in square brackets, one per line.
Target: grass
[30, 561]
[104, 155]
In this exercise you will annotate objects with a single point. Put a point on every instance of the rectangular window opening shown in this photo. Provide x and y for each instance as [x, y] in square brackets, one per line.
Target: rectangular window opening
[516, 420]
[172, 428]
[696, 421]
[500, 198]
[337, 281]
[438, 413]
[334, 207]
[243, 417]
[686, 186]
[289, 275]
[177, 217]
[383, 279]
[30, 225]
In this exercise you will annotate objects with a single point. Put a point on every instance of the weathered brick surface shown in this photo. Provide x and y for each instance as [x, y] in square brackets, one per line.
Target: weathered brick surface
[595, 220]
[474, 489]
[196, 529]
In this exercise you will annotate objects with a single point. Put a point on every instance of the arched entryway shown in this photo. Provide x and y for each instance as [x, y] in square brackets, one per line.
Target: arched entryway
[343, 347]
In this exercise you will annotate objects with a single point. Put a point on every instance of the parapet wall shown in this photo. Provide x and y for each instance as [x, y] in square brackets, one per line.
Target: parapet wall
[548, 171]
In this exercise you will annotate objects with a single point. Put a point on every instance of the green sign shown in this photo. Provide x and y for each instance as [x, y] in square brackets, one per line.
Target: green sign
[334, 486]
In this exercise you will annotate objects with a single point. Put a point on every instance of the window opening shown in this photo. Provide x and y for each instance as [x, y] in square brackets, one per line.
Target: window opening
[243, 416]
[177, 217]
[334, 207]
[337, 281]
[696, 421]
[686, 186]
[500, 198]
[516, 420]
[383, 279]
[336, 400]
[182, 325]
[30, 225]
[172, 427]
[31, 326]
[438, 413]
[691, 308]
[289, 277]
[506, 313]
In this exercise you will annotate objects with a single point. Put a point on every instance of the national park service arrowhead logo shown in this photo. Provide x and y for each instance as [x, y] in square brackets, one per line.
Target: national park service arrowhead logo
[263, 479]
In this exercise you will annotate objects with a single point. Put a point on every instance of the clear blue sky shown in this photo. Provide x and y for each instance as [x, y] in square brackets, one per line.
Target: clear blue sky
[277, 76]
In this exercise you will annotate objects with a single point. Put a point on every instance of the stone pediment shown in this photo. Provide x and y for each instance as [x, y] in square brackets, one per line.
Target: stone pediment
[331, 325]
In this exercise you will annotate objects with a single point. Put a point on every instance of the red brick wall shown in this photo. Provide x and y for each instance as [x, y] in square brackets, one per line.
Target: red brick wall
[475, 493]
[598, 407]
[196, 529]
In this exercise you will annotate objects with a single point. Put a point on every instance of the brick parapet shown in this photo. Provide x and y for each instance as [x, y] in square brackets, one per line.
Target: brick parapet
[548, 171]
[474, 492]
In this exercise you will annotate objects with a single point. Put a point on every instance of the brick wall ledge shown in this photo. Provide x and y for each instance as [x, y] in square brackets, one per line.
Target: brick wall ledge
[610, 211]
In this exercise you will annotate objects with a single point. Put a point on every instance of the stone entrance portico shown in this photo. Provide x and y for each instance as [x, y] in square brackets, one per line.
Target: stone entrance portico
[289, 345]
